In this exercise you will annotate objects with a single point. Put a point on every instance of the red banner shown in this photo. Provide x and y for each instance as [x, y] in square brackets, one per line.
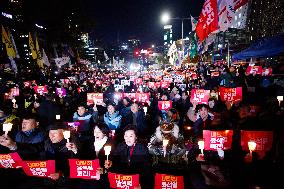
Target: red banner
[208, 20]
[200, 95]
[151, 85]
[138, 81]
[84, 169]
[120, 181]
[266, 71]
[40, 89]
[142, 97]
[214, 140]
[230, 94]
[95, 98]
[165, 105]
[254, 70]
[130, 95]
[263, 140]
[12, 160]
[215, 74]
[158, 84]
[39, 168]
[165, 84]
[163, 181]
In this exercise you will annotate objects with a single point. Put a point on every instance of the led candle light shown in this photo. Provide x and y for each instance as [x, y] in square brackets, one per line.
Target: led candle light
[280, 99]
[107, 150]
[145, 109]
[14, 101]
[251, 146]
[57, 117]
[35, 96]
[66, 135]
[165, 143]
[201, 146]
[7, 127]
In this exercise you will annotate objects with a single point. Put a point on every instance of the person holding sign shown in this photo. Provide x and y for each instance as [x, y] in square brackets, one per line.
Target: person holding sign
[57, 148]
[131, 157]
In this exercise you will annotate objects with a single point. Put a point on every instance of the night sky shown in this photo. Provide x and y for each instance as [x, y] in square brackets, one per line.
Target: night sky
[137, 18]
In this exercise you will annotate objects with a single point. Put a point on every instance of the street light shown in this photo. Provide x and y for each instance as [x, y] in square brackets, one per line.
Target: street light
[165, 17]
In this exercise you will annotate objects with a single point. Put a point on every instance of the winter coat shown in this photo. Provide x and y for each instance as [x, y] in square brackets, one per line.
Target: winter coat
[113, 121]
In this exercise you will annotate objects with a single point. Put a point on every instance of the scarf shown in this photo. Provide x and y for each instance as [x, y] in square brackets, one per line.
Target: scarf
[100, 143]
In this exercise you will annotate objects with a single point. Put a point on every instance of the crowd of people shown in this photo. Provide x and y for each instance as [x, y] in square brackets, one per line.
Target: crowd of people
[137, 130]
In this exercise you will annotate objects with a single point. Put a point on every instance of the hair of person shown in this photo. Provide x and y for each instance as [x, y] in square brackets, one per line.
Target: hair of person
[130, 127]
[83, 105]
[103, 128]
[200, 106]
[27, 116]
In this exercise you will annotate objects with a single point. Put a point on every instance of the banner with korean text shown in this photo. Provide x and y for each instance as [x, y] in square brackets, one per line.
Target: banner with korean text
[39, 168]
[163, 181]
[165, 105]
[230, 94]
[120, 181]
[95, 98]
[84, 169]
[200, 95]
[12, 160]
[214, 140]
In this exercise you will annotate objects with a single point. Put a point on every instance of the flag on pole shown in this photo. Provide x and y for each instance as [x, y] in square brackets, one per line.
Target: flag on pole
[193, 23]
[45, 58]
[193, 45]
[11, 53]
[32, 47]
[39, 56]
[14, 44]
[208, 20]
[226, 14]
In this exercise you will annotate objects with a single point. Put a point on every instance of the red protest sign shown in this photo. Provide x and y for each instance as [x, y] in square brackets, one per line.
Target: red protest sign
[120, 181]
[84, 169]
[163, 181]
[12, 160]
[27, 83]
[263, 140]
[165, 84]
[138, 81]
[254, 70]
[39, 168]
[200, 95]
[230, 94]
[214, 140]
[40, 89]
[130, 95]
[215, 74]
[95, 98]
[142, 97]
[158, 84]
[267, 71]
[118, 96]
[99, 83]
[151, 85]
[165, 105]
[146, 77]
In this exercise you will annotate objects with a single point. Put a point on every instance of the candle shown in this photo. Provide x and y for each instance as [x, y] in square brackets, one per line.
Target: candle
[165, 143]
[280, 99]
[66, 135]
[35, 96]
[57, 117]
[14, 101]
[201, 145]
[7, 127]
[107, 150]
[145, 109]
[251, 146]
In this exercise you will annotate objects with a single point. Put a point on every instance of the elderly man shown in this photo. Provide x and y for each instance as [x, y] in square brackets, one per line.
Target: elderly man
[29, 142]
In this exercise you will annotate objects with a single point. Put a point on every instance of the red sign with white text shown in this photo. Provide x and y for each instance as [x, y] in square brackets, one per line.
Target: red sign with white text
[266, 71]
[254, 70]
[95, 98]
[163, 181]
[230, 94]
[12, 160]
[130, 95]
[263, 140]
[39, 168]
[214, 140]
[165, 84]
[165, 105]
[142, 97]
[84, 169]
[138, 81]
[200, 95]
[120, 181]
[40, 89]
[151, 85]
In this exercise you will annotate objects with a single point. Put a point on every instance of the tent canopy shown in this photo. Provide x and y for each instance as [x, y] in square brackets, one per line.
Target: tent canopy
[265, 47]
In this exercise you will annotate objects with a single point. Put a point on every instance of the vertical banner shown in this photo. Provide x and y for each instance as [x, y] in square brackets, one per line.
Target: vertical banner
[214, 140]
[95, 98]
[120, 181]
[263, 140]
[200, 95]
[12, 160]
[163, 181]
[165, 105]
[39, 168]
[230, 94]
[84, 169]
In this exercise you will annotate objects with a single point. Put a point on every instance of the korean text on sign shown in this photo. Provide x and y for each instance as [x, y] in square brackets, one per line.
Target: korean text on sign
[123, 181]
[85, 169]
[163, 181]
[214, 140]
